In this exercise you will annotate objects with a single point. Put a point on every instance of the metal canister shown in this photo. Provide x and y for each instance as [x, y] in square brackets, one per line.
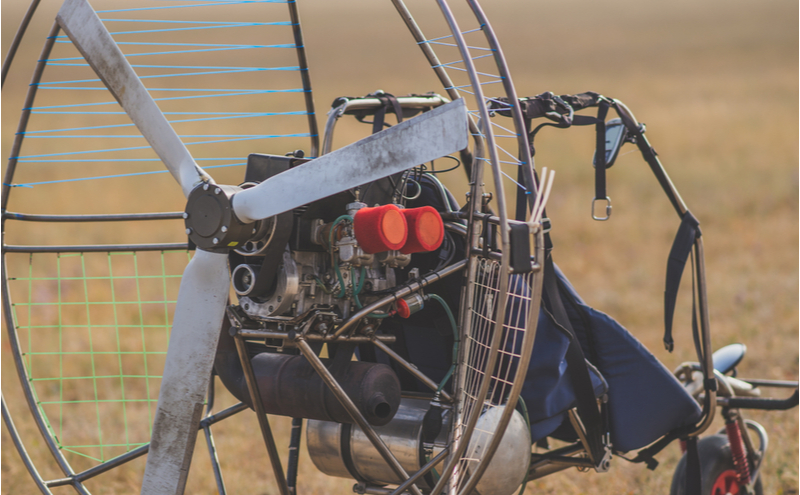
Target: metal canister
[344, 451]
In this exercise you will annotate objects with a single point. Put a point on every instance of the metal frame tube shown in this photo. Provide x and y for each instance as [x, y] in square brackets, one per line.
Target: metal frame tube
[212, 448]
[494, 161]
[12, 50]
[365, 103]
[263, 422]
[710, 403]
[22, 373]
[423, 470]
[26, 113]
[304, 75]
[412, 369]
[97, 248]
[8, 215]
[444, 78]
[522, 139]
[351, 408]
[26, 459]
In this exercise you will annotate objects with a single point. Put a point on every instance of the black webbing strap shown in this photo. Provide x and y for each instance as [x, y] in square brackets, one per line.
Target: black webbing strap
[693, 481]
[576, 362]
[380, 114]
[600, 152]
[688, 231]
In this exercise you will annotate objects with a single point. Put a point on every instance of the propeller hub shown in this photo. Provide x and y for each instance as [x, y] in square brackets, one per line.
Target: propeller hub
[210, 220]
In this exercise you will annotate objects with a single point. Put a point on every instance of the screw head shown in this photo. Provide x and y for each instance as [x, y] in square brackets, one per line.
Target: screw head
[253, 231]
[215, 240]
[188, 231]
[185, 215]
[217, 191]
[205, 186]
[224, 229]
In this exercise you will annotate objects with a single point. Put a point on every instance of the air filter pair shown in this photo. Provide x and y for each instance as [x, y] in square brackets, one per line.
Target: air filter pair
[389, 228]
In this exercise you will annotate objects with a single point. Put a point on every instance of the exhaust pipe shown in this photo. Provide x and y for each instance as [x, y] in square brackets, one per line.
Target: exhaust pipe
[289, 386]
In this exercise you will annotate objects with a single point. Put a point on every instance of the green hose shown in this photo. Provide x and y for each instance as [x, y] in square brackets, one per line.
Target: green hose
[456, 340]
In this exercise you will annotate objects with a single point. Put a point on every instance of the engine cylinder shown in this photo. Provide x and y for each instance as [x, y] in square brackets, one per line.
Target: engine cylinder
[289, 386]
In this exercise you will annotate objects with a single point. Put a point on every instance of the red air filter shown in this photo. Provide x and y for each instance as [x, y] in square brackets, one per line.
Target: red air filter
[425, 230]
[380, 229]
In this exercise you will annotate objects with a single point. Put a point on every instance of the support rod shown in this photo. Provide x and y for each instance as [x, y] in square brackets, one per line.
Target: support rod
[351, 408]
[263, 422]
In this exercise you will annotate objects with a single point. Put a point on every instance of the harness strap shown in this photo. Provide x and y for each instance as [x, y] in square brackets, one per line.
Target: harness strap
[688, 231]
[693, 482]
[380, 114]
[576, 362]
[600, 153]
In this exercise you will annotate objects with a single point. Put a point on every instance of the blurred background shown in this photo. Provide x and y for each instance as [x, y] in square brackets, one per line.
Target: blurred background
[715, 82]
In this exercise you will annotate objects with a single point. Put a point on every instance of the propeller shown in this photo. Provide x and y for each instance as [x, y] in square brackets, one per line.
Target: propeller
[221, 216]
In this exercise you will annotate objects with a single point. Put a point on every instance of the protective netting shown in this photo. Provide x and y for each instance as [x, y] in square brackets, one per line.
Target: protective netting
[225, 74]
[483, 314]
[489, 75]
[93, 330]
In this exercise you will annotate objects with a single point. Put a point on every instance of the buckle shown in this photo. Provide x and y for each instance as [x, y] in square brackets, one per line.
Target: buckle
[608, 209]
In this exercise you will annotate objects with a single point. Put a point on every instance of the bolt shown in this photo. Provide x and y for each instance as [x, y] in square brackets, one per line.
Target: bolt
[270, 309]
[188, 231]
[205, 186]
[253, 231]
[185, 215]
[215, 240]
[279, 298]
[224, 229]
[217, 191]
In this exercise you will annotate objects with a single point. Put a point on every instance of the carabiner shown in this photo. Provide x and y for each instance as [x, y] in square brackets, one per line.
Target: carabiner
[608, 209]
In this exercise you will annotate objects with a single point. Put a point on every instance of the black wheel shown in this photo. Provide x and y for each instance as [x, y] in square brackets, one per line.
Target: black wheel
[717, 474]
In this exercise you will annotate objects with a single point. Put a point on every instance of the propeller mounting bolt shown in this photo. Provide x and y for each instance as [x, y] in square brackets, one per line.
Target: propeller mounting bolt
[205, 186]
[215, 241]
[185, 215]
[188, 231]
[217, 191]
[224, 229]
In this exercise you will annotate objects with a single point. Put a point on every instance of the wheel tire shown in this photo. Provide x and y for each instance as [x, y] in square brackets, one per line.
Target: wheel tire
[717, 473]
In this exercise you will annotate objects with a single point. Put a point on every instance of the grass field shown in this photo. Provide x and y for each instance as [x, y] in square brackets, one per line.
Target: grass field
[715, 82]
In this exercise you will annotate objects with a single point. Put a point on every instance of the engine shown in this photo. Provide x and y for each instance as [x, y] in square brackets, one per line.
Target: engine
[332, 257]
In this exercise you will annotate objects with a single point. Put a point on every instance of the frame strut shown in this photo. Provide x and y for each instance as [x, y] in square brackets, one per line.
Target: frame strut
[23, 26]
[304, 75]
[97, 248]
[412, 369]
[351, 408]
[466, 433]
[26, 459]
[26, 113]
[9, 215]
[263, 421]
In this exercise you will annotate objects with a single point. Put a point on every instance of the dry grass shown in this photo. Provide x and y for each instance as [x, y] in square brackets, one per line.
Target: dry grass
[715, 81]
